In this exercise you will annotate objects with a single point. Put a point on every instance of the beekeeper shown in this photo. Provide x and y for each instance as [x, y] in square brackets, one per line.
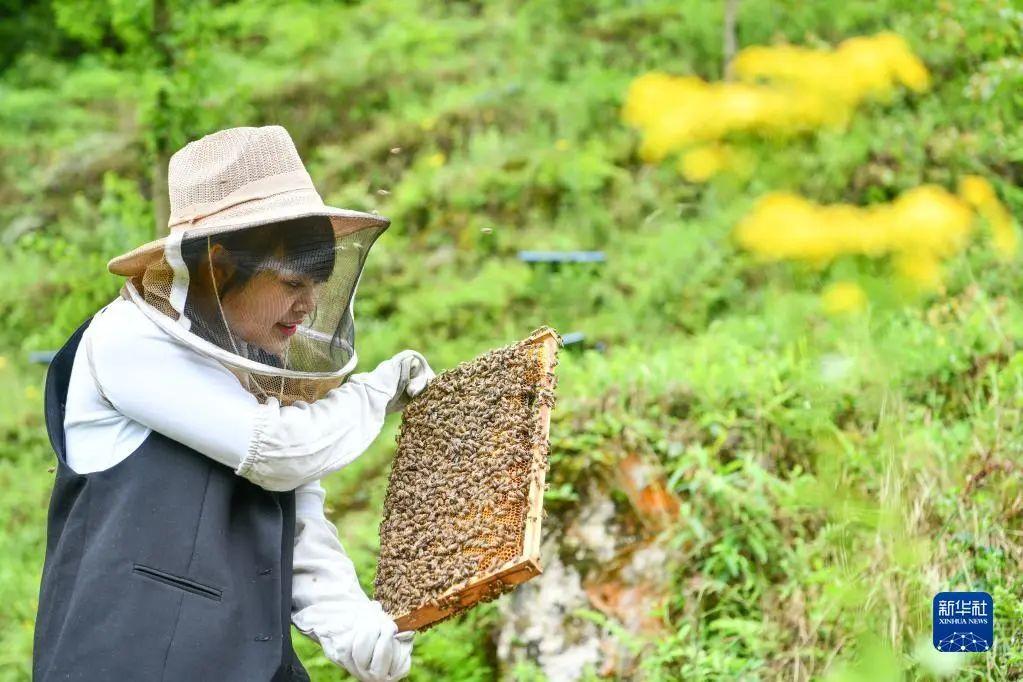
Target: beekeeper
[193, 419]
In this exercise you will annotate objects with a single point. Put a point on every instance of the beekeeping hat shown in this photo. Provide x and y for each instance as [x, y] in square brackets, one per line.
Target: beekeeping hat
[256, 271]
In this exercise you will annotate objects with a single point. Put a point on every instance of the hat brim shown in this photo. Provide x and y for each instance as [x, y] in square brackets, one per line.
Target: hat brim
[343, 220]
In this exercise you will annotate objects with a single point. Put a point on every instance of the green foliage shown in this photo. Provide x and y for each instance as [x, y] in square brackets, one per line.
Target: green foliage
[834, 473]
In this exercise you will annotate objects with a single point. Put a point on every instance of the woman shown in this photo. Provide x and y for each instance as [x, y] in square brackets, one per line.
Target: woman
[193, 418]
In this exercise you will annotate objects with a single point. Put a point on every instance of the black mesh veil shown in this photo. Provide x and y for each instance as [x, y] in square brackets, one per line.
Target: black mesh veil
[272, 302]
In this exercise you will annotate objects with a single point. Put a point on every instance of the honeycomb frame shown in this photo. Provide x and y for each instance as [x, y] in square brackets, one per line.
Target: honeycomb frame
[490, 583]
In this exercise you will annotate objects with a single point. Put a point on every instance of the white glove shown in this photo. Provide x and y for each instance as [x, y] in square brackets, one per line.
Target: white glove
[410, 373]
[369, 646]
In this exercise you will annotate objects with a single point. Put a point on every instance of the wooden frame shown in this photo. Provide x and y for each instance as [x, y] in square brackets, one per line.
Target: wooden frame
[527, 565]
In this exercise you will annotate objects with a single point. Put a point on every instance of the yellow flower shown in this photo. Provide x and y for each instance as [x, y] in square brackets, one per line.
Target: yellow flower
[926, 219]
[1003, 232]
[782, 90]
[843, 297]
[918, 230]
[428, 123]
[931, 219]
[907, 67]
[979, 193]
[860, 67]
[32, 393]
[976, 190]
[703, 163]
[562, 145]
[920, 269]
[436, 160]
[3, 362]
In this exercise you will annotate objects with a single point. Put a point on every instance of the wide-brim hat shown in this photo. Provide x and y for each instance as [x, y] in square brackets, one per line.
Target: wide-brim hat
[239, 178]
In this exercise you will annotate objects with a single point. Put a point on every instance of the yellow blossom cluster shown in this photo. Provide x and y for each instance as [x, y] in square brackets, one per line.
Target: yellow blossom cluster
[700, 164]
[978, 192]
[918, 230]
[860, 67]
[781, 90]
[843, 297]
[674, 113]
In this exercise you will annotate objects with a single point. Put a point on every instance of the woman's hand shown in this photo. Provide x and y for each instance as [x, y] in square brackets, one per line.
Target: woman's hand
[369, 646]
[411, 373]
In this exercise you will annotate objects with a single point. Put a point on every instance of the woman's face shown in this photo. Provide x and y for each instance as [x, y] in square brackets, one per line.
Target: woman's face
[267, 310]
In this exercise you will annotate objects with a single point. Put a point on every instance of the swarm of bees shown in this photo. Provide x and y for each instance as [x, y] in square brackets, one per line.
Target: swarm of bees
[459, 492]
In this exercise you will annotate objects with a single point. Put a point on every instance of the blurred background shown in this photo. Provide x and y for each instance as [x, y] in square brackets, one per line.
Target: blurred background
[788, 409]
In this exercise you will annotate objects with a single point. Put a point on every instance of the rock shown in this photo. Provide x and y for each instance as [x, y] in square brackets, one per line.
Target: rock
[538, 625]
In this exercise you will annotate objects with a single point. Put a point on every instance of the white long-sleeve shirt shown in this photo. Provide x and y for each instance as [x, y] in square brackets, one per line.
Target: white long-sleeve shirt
[130, 378]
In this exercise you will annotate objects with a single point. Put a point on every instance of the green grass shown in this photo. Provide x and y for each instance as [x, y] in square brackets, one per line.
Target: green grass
[834, 474]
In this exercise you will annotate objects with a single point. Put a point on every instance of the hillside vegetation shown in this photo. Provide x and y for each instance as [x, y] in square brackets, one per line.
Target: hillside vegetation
[831, 467]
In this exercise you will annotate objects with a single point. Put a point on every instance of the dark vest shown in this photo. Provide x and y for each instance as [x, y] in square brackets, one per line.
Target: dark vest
[167, 566]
